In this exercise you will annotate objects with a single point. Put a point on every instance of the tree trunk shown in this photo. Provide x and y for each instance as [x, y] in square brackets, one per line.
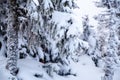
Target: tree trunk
[12, 34]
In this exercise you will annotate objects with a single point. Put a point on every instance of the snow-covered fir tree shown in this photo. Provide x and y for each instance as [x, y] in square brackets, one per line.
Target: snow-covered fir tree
[110, 38]
[53, 40]
[89, 35]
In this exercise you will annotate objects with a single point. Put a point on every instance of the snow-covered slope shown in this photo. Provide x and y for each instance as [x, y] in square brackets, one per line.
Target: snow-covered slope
[29, 69]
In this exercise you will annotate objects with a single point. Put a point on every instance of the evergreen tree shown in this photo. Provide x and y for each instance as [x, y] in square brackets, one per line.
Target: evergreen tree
[111, 40]
[89, 35]
[16, 14]
[53, 40]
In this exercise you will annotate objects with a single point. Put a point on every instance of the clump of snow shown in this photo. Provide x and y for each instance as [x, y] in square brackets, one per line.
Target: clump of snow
[74, 28]
[36, 2]
[3, 47]
[60, 21]
[47, 4]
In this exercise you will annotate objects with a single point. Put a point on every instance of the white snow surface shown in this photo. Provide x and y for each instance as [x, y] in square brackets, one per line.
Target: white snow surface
[84, 70]
[116, 74]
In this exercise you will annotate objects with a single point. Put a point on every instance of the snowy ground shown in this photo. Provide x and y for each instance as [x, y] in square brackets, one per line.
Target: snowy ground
[85, 70]
[28, 68]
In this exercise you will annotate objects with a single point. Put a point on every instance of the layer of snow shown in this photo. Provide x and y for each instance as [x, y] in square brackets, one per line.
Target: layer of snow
[84, 70]
[74, 28]
[116, 75]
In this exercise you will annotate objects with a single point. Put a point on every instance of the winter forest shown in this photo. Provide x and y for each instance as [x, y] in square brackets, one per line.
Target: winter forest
[59, 39]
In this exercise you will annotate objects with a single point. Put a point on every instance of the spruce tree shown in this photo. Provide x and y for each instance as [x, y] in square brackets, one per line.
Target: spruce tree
[53, 41]
[111, 40]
